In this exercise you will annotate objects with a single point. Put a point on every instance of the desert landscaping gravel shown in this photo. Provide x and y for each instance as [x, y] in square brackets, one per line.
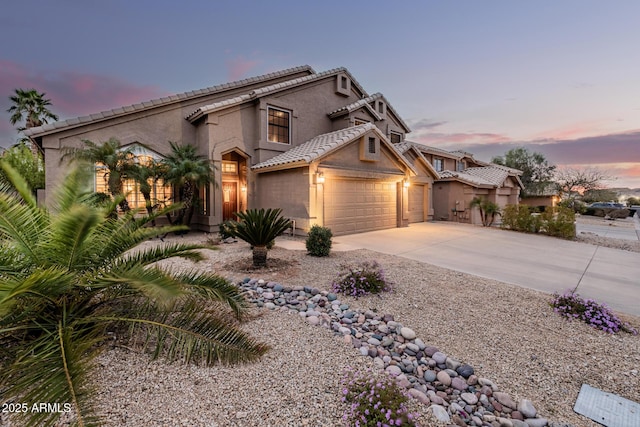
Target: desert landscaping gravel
[510, 335]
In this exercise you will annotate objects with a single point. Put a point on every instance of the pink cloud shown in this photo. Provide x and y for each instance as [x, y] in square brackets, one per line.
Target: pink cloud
[238, 67]
[73, 93]
[573, 131]
[444, 140]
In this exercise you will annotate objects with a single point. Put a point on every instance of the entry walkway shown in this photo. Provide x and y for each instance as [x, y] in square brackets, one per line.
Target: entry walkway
[533, 261]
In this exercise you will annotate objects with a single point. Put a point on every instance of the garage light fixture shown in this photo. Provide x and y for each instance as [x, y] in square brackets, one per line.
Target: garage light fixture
[406, 183]
[319, 178]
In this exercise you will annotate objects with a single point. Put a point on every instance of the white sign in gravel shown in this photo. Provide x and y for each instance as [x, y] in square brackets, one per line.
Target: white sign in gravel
[607, 409]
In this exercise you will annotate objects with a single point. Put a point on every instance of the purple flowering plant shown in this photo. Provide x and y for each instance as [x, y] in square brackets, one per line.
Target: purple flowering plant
[599, 316]
[362, 279]
[375, 401]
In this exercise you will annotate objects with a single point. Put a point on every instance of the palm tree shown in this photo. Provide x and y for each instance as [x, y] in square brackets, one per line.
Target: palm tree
[147, 176]
[259, 228]
[118, 162]
[187, 171]
[488, 210]
[68, 278]
[31, 106]
[30, 164]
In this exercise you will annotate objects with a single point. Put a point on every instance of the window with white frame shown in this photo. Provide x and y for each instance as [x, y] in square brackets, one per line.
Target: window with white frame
[438, 164]
[279, 128]
[459, 165]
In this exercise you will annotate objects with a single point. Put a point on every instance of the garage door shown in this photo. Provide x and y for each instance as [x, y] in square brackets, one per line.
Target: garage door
[354, 206]
[416, 203]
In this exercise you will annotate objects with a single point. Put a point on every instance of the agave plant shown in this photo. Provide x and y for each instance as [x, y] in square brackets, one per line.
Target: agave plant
[68, 277]
[259, 227]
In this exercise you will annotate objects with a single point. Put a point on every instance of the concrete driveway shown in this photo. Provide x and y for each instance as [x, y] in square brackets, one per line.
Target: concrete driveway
[533, 261]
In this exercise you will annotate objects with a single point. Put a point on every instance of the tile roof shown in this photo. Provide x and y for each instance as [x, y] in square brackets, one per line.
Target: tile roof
[317, 147]
[36, 131]
[480, 176]
[495, 176]
[461, 176]
[366, 102]
[266, 90]
[405, 146]
[354, 106]
[434, 150]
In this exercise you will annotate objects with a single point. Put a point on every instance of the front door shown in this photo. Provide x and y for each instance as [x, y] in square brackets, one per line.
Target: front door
[229, 200]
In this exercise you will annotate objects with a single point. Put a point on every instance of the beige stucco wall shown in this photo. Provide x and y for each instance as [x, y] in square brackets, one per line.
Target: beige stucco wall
[539, 201]
[153, 127]
[243, 129]
[288, 190]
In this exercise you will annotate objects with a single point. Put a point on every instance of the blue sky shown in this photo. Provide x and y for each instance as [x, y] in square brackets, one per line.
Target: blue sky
[560, 77]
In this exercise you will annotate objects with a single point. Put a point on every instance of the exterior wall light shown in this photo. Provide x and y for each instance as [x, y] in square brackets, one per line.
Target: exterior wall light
[243, 188]
[319, 178]
[406, 183]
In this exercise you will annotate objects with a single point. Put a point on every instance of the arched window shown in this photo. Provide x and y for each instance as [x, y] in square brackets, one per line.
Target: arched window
[161, 194]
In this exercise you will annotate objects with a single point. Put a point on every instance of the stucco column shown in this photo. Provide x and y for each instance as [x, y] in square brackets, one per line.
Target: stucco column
[316, 198]
[402, 204]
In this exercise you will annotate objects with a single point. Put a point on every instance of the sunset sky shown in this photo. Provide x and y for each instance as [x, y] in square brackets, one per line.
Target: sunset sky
[559, 77]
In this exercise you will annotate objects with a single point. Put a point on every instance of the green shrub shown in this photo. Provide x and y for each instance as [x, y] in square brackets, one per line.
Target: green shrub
[365, 278]
[375, 401]
[559, 222]
[521, 218]
[227, 229]
[319, 241]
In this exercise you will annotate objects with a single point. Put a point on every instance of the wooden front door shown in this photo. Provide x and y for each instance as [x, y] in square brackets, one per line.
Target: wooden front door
[229, 200]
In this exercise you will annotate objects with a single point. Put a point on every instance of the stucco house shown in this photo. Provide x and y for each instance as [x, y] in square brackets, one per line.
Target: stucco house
[315, 144]
[461, 178]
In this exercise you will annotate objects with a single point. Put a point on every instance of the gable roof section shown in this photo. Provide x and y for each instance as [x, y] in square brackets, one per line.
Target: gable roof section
[323, 145]
[78, 121]
[405, 146]
[474, 181]
[268, 90]
[355, 106]
[458, 155]
[485, 176]
[366, 102]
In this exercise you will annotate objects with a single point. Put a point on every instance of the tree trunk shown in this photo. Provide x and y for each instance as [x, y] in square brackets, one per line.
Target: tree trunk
[259, 256]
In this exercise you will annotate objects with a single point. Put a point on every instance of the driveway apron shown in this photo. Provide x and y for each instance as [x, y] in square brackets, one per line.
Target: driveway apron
[533, 261]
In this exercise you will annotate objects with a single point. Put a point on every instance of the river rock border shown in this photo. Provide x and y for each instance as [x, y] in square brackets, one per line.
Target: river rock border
[450, 388]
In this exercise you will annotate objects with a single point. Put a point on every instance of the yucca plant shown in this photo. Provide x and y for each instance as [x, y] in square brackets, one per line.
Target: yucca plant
[68, 277]
[259, 227]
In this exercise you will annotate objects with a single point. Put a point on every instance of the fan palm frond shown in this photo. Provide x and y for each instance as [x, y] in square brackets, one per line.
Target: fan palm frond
[69, 274]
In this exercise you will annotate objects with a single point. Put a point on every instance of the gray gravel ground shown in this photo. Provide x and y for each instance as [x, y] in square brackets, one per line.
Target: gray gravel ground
[509, 334]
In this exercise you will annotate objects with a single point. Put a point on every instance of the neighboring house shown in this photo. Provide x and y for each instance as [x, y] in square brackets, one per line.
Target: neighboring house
[542, 196]
[462, 178]
[316, 145]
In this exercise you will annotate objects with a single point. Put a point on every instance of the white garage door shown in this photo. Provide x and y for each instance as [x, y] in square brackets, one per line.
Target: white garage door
[416, 203]
[354, 206]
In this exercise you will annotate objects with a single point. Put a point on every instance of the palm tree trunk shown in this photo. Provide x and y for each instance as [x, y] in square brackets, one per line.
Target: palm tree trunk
[259, 256]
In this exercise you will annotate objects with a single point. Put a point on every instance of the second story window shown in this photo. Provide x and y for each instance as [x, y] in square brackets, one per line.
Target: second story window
[395, 137]
[372, 145]
[279, 126]
[459, 165]
[438, 164]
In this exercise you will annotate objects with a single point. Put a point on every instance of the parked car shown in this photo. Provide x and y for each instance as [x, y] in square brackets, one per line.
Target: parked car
[606, 205]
